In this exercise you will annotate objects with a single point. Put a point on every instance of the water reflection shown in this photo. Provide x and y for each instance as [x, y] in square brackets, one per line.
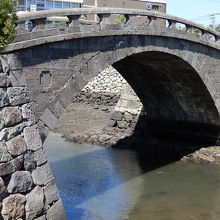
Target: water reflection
[100, 183]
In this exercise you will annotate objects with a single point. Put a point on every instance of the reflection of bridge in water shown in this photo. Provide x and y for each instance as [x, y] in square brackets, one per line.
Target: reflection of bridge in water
[174, 72]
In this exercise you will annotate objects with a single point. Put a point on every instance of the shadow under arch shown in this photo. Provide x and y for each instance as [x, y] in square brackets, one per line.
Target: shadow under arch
[176, 100]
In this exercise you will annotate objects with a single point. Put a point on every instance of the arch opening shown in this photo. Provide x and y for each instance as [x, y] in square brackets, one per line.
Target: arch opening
[175, 98]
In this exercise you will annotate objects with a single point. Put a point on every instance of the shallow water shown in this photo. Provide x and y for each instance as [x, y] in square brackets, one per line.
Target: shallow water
[97, 183]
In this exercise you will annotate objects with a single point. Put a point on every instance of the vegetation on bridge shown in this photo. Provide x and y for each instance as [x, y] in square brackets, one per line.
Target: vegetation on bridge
[7, 19]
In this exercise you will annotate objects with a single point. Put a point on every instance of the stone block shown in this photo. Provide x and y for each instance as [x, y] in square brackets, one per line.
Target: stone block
[11, 115]
[4, 155]
[17, 78]
[11, 166]
[16, 146]
[13, 61]
[56, 212]
[35, 205]
[48, 118]
[18, 95]
[3, 80]
[111, 123]
[122, 124]
[32, 138]
[51, 193]
[8, 133]
[3, 190]
[40, 157]
[43, 217]
[128, 117]
[117, 116]
[29, 161]
[42, 175]
[13, 207]
[20, 182]
[28, 114]
[4, 101]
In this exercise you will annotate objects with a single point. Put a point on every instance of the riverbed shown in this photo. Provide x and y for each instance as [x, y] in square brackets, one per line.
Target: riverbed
[97, 183]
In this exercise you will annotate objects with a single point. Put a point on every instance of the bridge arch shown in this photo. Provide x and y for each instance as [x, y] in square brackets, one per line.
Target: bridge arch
[173, 69]
[167, 74]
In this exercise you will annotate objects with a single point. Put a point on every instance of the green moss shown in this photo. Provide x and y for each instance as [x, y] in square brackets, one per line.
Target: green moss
[7, 19]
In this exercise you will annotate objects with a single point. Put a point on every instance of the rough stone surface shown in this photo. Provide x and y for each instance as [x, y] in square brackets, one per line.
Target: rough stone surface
[4, 155]
[35, 205]
[16, 146]
[8, 133]
[11, 166]
[108, 81]
[3, 190]
[20, 182]
[43, 217]
[29, 161]
[28, 114]
[11, 116]
[51, 192]
[56, 212]
[32, 137]
[40, 157]
[13, 207]
[17, 95]
[42, 175]
[3, 98]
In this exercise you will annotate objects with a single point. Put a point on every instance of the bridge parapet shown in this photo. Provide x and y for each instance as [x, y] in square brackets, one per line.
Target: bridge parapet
[73, 24]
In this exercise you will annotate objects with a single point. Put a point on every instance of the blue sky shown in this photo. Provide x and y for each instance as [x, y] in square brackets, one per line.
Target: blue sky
[195, 10]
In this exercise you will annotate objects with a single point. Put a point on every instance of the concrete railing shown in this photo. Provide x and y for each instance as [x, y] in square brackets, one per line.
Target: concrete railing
[75, 21]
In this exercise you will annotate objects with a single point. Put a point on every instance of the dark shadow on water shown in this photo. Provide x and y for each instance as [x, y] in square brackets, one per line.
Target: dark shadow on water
[155, 148]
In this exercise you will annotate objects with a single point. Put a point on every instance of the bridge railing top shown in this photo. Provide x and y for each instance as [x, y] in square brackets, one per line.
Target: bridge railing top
[101, 11]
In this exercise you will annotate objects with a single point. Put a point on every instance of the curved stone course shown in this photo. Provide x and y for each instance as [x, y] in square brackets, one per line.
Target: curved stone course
[40, 33]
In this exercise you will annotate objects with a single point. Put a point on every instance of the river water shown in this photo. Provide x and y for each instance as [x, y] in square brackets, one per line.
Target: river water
[98, 183]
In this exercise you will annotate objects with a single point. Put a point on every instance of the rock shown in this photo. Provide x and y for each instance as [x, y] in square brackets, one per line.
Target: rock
[4, 101]
[8, 133]
[17, 95]
[128, 117]
[16, 146]
[11, 116]
[43, 217]
[29, 161]
[3, 80]
[3, 190]
[111, 123]
[42, 175]
[35, 205]
[20, 182]
[117, 116]
[13, 207]
[11, 166]
[56, 212]
[40, 157]
[51, 192]
[27, 114]
[4, 155]
[32, 137]
[122, 124]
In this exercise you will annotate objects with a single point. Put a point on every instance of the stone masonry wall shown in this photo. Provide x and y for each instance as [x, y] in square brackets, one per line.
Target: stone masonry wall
[27, 187]
[108, 81]
[127, 111]
[127, 106]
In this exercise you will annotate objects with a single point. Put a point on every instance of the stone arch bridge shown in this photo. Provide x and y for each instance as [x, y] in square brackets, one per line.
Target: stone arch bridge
[172, 65]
